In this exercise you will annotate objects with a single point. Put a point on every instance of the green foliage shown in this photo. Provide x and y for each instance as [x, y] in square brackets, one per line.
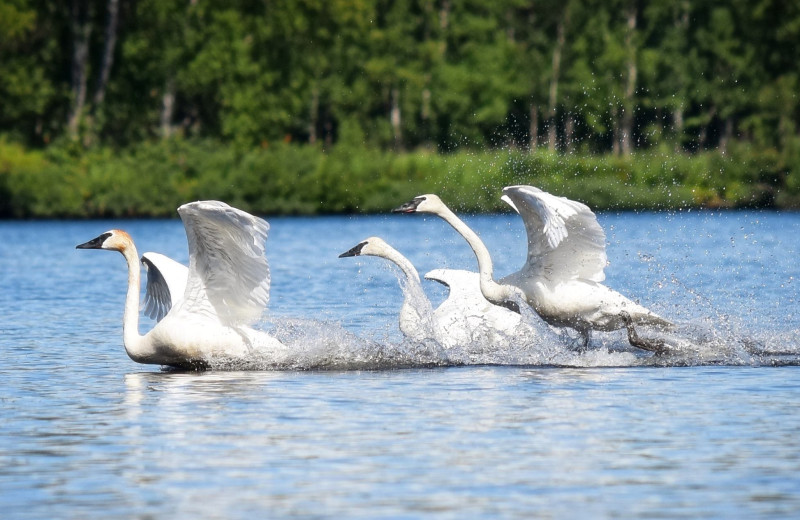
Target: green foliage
[154, 178]
[409, 73]
[212, 98]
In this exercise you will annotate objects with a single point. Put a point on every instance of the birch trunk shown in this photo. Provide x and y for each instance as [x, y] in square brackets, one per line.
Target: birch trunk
[552, 135]
[108, 53]
[81, 31]
[630, 84]
[534, 128]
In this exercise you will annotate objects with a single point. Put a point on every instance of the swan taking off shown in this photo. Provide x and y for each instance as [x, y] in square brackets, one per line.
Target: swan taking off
[566, 258]
[225, 288]
[459, 320]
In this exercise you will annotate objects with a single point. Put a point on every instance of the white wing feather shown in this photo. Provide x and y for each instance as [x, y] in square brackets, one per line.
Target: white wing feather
[565, 241]
[465, 312]
[462, 285]
[166, 284]
[227, 262]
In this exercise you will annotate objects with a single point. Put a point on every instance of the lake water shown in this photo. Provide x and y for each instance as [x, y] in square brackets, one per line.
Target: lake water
[533, 431]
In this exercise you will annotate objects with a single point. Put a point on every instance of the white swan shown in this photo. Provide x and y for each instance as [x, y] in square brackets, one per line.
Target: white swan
[566, 258]
[226, 288]
[457, 321]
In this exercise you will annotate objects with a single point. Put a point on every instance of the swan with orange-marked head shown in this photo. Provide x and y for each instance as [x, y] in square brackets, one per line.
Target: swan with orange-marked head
[226, 290]
[564, 267]
[464, 315]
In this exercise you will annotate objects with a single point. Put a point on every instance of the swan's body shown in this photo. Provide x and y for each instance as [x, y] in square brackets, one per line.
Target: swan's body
[565, 263]
[226, 288]
[459, 319]
[466, 314]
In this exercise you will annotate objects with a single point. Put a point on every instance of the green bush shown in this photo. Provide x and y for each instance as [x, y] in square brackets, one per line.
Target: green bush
[154, 178]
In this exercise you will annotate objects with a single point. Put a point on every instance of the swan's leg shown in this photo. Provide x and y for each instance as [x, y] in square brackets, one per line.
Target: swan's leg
[654, 345]
[586, 334]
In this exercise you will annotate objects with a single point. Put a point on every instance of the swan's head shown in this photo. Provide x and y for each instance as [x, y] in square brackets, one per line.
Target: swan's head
[113, 240]
[372, 246]
[429, 203]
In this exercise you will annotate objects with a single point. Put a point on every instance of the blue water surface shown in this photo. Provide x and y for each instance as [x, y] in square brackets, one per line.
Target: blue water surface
[87, 433]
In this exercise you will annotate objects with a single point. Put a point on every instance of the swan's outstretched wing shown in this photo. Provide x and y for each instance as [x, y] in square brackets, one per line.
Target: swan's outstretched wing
[466, 315]
[166, 284]
[462, 285]
[227, 262]
[565, 241]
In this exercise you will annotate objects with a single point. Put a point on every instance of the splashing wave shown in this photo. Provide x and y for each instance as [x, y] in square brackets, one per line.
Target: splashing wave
[323, 345]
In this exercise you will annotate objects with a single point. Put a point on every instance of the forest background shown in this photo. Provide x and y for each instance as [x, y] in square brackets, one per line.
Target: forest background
[129, 108]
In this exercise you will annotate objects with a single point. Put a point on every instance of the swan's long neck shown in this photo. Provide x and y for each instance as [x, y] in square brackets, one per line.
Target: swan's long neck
[130, 320]
[492, 291]
[408, 269]
[416, 310]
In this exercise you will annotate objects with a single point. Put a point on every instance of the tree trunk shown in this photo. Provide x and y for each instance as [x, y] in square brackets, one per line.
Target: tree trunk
[703, 137]
[313, 116]
[534, 127]
[444, 21]
[81, 29]
[108, 54]
[167, 108]
[327, 125]
[552, 135]
[425, 115]
[615, 141]
[630, 83]
[677, 126]
[394, 117]
[727, 133]
[569, 133]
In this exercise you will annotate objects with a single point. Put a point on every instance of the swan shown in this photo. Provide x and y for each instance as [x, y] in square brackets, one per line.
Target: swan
[463, 315]
[226, 289]
[566, 258]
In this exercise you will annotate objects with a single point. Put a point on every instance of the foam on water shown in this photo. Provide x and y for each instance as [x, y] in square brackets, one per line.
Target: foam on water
[325, 345]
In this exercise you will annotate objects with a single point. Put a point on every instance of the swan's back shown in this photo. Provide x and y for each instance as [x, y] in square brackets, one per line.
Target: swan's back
[228, 270]
[465, 310]
[565, 241]
[462, 285]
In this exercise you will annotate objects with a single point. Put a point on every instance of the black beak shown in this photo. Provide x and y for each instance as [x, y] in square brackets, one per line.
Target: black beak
[410, 206]
[95, 243]
[356, 251]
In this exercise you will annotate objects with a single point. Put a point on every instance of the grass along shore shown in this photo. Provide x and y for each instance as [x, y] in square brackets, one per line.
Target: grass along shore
[152, 179]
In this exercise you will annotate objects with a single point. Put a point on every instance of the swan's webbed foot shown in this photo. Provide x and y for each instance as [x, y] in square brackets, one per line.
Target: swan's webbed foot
[658, 346]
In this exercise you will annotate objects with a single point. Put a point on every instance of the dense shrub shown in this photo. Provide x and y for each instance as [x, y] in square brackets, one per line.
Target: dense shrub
[152, 179]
